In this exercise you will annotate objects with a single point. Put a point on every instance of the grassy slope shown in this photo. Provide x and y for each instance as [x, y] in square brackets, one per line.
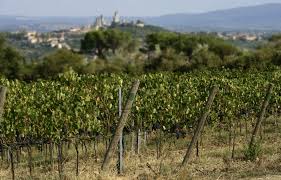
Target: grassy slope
[214, 161]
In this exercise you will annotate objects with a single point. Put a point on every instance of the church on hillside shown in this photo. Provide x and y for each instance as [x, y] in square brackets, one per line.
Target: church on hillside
[101, 23]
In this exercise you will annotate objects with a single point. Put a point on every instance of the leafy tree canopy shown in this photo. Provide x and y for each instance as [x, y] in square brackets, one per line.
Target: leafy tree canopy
[11, 61]
[59, 62]
[100, 42]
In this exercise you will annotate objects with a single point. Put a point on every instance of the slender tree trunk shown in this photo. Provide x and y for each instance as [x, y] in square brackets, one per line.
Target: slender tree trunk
[246, 130]
[197, 149]
[261, 131]
[29, 151]
[77, 157]
[201, 137]
[158, 143]
[234, 141]
[138, 141]
[95, 149]
[60, 159]
[230, 135]
[46, 153]
[200, 126]
[2, 152]
[12, 162]
[122, 121]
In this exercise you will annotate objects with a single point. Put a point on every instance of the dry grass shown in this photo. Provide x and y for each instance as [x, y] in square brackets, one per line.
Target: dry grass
[214, 162]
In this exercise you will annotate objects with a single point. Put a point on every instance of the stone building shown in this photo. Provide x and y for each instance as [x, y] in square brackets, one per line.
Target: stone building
[116, 18]
[100, 23]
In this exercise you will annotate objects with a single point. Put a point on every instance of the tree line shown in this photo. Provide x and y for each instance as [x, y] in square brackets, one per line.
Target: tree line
[116, 51]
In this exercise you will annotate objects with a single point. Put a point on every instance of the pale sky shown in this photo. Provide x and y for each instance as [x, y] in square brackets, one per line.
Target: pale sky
[125, 7]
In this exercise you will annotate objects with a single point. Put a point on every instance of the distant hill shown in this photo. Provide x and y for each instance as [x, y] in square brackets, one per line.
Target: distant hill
[13, 23]
[261, 17]
[141, 32]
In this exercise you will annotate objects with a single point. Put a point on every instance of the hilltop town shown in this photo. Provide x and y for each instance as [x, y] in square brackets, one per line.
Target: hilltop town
[34, 44]
[57, 39]
[69, 37]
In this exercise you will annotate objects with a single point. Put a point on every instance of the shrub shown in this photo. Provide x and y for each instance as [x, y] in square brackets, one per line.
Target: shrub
[253, 152]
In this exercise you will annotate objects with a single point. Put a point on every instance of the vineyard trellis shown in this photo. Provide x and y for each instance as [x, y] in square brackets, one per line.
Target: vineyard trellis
[73, 108]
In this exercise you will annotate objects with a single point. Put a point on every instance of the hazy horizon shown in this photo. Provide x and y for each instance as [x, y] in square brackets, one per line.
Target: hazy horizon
[142, 8]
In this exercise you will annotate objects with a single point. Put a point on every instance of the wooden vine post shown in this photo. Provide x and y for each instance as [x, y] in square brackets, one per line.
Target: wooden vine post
[121, 149]
[261, 116]
[3, 91]
[122, 121]
[200, 126]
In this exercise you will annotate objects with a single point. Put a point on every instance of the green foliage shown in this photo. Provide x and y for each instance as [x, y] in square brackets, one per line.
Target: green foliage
[115, 51]
[277, 58]
[187, 43]
[275, 38]
[59, 62]
[202, 50]
[2, 41]
[253, 152]
[169, 61]
[94, 42]
[103, 40]
[222, 49]
[11, 61]
[163, 39]
[73, 104]
[116, 39]
[96, 66]
[140, 32]
[203, 57]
